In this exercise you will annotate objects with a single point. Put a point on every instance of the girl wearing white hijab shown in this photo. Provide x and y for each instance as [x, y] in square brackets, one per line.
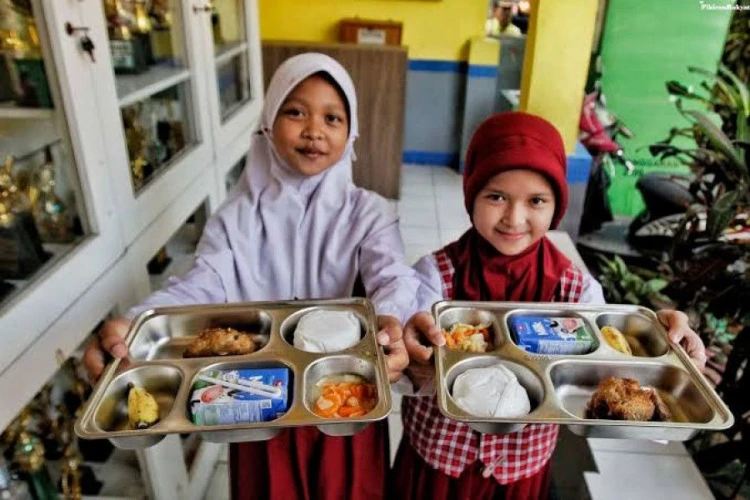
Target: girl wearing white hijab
[297, 227]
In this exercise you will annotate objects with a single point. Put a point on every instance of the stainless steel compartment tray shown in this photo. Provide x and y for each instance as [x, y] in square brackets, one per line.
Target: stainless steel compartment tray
[560, 386]
[158, 337]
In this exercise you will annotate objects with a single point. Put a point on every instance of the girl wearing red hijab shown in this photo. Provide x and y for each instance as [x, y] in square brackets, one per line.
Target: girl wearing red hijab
[515, 191]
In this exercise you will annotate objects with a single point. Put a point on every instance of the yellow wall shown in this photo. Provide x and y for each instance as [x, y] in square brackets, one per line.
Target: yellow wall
[556, 63]
[432, 29]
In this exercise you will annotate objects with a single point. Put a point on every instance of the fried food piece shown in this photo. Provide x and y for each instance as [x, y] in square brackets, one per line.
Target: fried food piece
[143, 411]
[616, 339]
[624, 399]
[221, 342]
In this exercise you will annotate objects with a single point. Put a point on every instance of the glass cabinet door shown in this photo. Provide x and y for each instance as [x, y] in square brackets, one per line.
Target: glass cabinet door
[58, 229]
[153, 101]
[231, 58]
[42, 210]
[147, 48]
[235, 56]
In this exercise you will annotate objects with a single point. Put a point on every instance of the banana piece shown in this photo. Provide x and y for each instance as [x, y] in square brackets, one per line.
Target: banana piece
[616, 340]
[143, 411]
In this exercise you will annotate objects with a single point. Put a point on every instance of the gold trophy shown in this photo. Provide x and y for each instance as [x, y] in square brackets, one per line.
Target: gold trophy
[21, 251]
[28, 454]
[142, 29]
[161, 13]
[129, 47]
[50, 212]
[10, 435]
[24, 49]
[161, 33]
[136, 139]
[12, 199]
[71, 474]
[142, 20]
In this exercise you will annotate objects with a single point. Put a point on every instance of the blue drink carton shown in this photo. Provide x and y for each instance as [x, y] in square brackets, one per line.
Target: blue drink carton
[222, 397]
[550, 335]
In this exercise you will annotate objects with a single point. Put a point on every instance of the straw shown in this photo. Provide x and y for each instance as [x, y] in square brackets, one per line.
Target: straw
[253, 388]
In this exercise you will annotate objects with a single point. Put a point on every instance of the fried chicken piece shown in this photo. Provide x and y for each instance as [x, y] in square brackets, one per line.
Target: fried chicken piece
[221, 342]
[624, 399]
[661, 410]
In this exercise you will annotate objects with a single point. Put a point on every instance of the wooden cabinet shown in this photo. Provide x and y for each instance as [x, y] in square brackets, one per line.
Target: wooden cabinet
[368, 31]
[379, 75]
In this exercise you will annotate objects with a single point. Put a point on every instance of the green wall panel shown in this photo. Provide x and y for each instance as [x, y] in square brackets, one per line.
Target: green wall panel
[645, 44]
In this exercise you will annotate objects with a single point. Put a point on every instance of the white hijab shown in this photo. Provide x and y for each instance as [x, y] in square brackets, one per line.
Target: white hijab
[283, 235]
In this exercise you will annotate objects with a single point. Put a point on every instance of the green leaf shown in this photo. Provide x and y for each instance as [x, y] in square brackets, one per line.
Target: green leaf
[622, 268]
[676, 88]
[733, 95]
[741, 88]
[657, 285]
[718, 139]
[743, 130]
[721, 213]
[607, 266]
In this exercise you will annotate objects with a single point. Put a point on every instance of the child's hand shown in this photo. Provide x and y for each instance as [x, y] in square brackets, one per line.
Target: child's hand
[420, 334]
[681, 333]
[109, 340]
[390, 337]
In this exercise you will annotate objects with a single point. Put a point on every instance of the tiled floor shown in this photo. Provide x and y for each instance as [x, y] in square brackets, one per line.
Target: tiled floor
[431, 209]
[431, 215]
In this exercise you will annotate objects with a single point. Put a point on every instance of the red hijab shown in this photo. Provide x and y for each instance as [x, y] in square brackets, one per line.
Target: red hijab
[510, 141]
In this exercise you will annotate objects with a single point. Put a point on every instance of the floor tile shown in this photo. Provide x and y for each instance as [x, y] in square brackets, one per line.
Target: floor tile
[645, 477]
[395, 433]
[446, 176]
[413, 254]
[411, 174]
[218, 488]
[418, 203]
[638, 446]
[426, 219]
[451, 186]
[453, 219]
[417, 188]
[224, 457]
[420, 237]
[396, 401]
[450, 235]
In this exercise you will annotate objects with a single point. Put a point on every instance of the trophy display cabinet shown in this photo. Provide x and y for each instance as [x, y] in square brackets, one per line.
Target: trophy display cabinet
[123, 124]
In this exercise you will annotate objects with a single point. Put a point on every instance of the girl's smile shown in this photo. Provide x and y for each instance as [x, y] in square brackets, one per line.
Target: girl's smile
[312, 128]
[514, 210]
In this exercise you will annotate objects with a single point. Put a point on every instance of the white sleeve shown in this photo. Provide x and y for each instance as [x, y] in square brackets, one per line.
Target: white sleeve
[389, 281]
[592, 292]
[430, 283]
[430, 291]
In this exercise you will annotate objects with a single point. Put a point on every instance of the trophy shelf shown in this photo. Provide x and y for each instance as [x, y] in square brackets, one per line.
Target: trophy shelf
[12, 112]
[180, 249]
[229, 50]
[23, 137]
[135, 88]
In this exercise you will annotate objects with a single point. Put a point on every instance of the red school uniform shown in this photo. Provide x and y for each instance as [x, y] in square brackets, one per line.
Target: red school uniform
[439, 457]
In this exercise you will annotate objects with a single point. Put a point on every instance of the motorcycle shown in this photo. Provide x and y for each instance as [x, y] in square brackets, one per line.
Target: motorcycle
[667, 197]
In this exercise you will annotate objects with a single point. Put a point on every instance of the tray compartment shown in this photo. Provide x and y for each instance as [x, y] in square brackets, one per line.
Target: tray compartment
[340, 365]
[111, 415]
[644, 338]
[526, 377]
[166, 336]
